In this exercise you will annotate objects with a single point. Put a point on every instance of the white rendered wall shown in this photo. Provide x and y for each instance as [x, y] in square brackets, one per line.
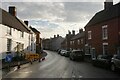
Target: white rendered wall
[15, 38]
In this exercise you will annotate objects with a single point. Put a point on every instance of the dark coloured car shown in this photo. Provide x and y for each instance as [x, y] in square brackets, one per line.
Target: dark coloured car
[77, 55]
[115, 63]
[102, 61]
[67, 53]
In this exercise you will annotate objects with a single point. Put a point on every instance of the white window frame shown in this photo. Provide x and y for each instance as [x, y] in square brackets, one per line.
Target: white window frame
[89, 34]
[9, 31]
[104, 48]
[73, 42]
[78, 41]
[104, 34]
[70, 42]
[21, 34]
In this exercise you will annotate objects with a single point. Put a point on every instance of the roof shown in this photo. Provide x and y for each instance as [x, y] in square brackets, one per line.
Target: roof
[13, 21]
[79, 35]
[105, 15]
[34, 30]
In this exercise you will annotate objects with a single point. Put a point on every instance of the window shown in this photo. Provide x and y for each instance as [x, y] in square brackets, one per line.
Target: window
[21, 34]
[81, 41]
[32, 38]
[78, 41]
[105, 48]
[31, 47]
[34, 46]
[9, 30]
[104, 32]
[89, 35]
[9, 43]
[70, 42]
[73, 42]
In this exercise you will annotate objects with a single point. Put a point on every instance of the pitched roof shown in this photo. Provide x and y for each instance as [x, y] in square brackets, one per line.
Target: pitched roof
[79, 35]
[13, 21]
[105, 15]
[34, 30]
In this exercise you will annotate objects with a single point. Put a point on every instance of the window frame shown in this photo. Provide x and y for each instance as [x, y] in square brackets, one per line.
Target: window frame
[9, 31]
[105, 44]
[9, 44]
[105, 32]
[89, 34]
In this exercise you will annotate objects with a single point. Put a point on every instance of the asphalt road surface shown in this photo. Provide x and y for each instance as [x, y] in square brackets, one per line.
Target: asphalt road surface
[56, 66]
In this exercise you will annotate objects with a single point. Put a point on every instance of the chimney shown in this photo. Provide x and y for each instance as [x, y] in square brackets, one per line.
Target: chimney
[69, 32]
[108, 4]
[54, 36]
[57, 35]
[80, 30]
[12, 10]
[26, 22]
[73, 32]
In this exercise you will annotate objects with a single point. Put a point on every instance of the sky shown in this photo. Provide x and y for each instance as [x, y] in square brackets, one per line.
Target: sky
[56, 16]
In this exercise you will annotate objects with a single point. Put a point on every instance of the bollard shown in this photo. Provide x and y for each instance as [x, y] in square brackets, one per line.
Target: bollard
[18, 65]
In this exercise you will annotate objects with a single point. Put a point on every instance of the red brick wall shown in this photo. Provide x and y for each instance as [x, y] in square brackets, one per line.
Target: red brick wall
[97, 40]
[78, 46]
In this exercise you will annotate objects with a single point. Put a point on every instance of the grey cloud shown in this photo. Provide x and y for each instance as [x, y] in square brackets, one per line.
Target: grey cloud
[81, 11]
[56, 11]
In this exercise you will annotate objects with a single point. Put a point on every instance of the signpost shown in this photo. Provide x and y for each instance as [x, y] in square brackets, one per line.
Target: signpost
[8, 59]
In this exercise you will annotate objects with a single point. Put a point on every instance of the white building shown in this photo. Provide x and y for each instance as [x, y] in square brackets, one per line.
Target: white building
[15, 34]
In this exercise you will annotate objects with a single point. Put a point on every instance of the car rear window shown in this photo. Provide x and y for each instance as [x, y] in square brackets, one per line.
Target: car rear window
[78, 52]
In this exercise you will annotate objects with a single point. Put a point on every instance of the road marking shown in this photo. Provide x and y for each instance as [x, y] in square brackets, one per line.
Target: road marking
[73, 76]
[80, 76]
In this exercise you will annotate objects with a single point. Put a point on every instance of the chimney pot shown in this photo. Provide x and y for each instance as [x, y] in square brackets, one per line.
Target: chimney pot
[54, 36]
[73, 32]
[69, 32]
[26, 22]
[57, 35]
[12, 10]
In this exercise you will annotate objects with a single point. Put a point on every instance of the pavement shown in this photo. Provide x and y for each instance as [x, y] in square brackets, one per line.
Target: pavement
[56, 66]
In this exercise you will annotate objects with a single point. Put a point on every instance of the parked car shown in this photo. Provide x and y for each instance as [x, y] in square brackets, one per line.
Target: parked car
[62, 52]
[77, 55]
[67, 54]
[102, 61]
[59, 51]
[115, 62]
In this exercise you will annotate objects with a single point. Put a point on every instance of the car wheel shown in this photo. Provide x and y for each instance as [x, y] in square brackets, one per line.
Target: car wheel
[70, 58]
[113, 68]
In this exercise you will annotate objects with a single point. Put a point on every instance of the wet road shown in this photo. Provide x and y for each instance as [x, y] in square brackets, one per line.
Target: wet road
[56, 66]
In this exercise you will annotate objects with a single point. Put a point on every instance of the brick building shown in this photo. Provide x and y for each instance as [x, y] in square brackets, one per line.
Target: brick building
[77, 42]
[66, 43]
[38, 39]
[53, 43]
[103, 31]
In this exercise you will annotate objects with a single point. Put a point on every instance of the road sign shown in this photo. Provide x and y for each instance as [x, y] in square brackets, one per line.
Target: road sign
[8, 58]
